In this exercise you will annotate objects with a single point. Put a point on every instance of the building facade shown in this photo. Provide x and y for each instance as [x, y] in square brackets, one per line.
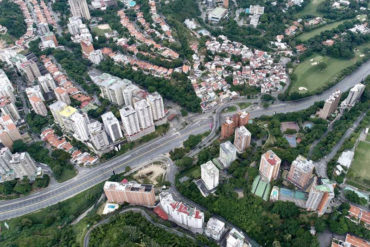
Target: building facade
[79, 8]
[331, 104]
[209, 175]
[98, 136]
[242, 139]
[112, 126]
[269, 166]
[227, 153]
[62, 95]
[130, 121]
[155, 101]
[300, 171]
[320, 196]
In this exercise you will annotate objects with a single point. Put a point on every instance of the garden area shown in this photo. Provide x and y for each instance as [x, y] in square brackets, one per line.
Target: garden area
[310, 9]
[317, 31]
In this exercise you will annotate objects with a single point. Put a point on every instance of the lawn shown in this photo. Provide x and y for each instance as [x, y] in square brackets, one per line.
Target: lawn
[310, 78]
[244, 105]
[359, 173]
[101, 31]
[66, 175]
[311, 9]
[368, 138]
[308, 35]
[230, 109]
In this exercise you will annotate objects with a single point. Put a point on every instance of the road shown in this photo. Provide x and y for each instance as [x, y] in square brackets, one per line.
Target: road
[87, 178]
[144, 214]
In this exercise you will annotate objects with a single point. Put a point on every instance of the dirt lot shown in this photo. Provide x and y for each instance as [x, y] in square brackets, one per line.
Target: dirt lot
[151, 173]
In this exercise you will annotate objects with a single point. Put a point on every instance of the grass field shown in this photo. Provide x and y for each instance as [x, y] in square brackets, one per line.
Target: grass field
[308, 35]
[244, 105]
[311, 9]
[100, 32]
[359, 173]
[230, 109]
[310, 78]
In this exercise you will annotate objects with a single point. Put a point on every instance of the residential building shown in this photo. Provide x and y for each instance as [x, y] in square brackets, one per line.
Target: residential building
[128, 93]
[8, 131]
[320, 196]
[34, 91]
[225, 4]
[217, 14]
[227, 129]
[95, 56]
[215, 228]
[130, 192]
[180, 213]
[242, 139]
[243, 118]
[48, 40]
[112, 126]
[256, 10]
[155, 101]
[30, 69]
[130, 121]
[16, 165]
[350, 241]
[98, 136]
[6, 87]
[300, 171]
[38, 106]
[359, 215]
[354, 95]
[87, 48]
[331, 105]
[55, 109]
[235, 239]
[80, 122]
[269, 166]
[210, 175]
[65, 115]
[79, 8]
[47, 83]
[74, 24]
[145, 116]
[227, 153]
[7, 107]
[62, 95]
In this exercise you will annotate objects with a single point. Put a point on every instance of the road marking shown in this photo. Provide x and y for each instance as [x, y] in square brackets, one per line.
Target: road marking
[83, 183]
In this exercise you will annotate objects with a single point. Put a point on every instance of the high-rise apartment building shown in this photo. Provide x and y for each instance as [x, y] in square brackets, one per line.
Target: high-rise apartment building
[128, 93]
[6, 87]
[30, 69]
[98, 136]
[130, 121]
[215, 228]
[38, 106]
[145, 115]
[55, 109]
[236, 239]
[47, 83]
[242, 139]
[7, 107]
[226, 4]
[80, 122]
[331, 104]
[8, 131]
[62, 95]
[130, 192]
[227, 153]
[243, 118]
[181, 213]
[269, 166]
[320, 196]
[34, 91]
[79, 8]
[210, 175]
[112, 126]
[16, 165]
[300, 171]
[74, 24]
[65, 116]
[354, 95]
[156, 103]
[227, 128]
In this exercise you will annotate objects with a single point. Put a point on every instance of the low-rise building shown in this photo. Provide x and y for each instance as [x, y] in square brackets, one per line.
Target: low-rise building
[215, 228]
[236, 239]
[130, 192]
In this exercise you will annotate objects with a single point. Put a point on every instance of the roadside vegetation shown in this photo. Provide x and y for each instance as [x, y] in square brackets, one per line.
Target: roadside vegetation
[12, 18]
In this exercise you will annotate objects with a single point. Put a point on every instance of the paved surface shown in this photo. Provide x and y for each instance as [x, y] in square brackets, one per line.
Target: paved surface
[88, 178]
[144, 214]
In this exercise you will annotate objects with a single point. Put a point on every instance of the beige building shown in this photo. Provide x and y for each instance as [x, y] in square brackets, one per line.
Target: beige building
[242, 139]
[331, 104]
[269, 166]
[8, 131]
[130, 192]
[79, 8]
[301, 171]
[38, 106]
[8, 108]
[31, 70]
[62, 95]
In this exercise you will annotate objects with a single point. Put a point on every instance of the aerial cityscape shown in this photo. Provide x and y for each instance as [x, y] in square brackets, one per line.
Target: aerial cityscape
[233, 123]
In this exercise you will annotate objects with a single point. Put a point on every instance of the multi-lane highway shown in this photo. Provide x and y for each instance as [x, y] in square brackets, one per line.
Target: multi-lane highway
[89, 177]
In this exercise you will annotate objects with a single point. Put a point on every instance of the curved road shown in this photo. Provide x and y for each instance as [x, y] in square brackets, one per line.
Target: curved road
[135, 210]
[87, 178]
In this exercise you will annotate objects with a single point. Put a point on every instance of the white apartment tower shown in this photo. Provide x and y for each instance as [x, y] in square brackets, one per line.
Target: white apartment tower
[210, 175]
[98, 136]
[112, 126]
[145, 114]
[227, 153]
[6, 87]
[55, 108]
[156, 103]
[47, 83]
[62, 95]
[130, 121]
[242, 139]
[79, 8]
[80, 122]
[7, 107]
[354, 95]
[34, 91]
[38, 106]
